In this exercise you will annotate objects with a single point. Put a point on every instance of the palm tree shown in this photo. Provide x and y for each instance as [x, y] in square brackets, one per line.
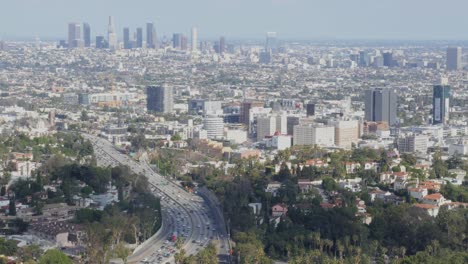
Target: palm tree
[355, 238]
[316, 239]
[179, 243]
[435, 247]
[340, 247]
[177, 258]
[403, 251]
[328, 244]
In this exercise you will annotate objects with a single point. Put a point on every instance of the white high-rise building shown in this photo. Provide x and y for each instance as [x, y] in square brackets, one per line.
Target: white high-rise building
[194, 39]
[412, 143]
[111, 35]
[314, 135]
[214, 126]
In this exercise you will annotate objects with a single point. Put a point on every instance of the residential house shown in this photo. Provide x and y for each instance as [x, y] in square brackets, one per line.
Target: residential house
[431, 210]
[280, 209]
[304, 185]
[352, 167]
[418, 193]
[273, 188]
[431, 186]
[435, 199]
[378, 194]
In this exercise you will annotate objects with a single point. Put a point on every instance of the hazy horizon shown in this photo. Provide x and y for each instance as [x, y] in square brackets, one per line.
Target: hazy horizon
[244, 19]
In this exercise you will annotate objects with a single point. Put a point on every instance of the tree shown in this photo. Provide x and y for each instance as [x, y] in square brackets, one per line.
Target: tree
[329, 184]
[28, 253]
[439, 166]
[7, 247]
[408, 159]
[12, 207]
[121, 251]
[284, 173]
[180, 256]
[179, 242]
[54, 256]
[84, 116]
[176, 137]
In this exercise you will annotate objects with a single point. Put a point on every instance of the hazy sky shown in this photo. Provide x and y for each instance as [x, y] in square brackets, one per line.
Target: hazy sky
[304, 19]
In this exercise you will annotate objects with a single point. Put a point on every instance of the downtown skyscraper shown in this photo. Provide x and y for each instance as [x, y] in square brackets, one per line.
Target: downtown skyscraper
[74, 35]
[111, 34]
[381, 105]
[87, 35]
[454, 58]
[151, 40]
[222, 45]
[194, 39]
[177, 40]
[139, 37]
[271, 42]
[440, 103]
[126, 38]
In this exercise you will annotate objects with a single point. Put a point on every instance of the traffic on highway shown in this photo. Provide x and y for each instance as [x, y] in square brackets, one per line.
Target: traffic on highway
[186, 216]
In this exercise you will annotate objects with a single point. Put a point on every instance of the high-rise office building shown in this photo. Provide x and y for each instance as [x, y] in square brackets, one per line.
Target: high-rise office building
[74, 35]
[160, 99]
[87, 35]
[381, 105]
[214, 126]
[139, 37]
[183, 42]
[310, 108]
[245, 107]
[126, 38]
[194, 39]
[454, 58]
[364, 58]
[151, 41]
[265, 57]
[346, 133]
[388, 59]
[412, 143]
[271, 42]
[176, 40]
[266, 126]
[222, 45]
[313, 134]
[440, 104]
[111, 35]
[101, 42]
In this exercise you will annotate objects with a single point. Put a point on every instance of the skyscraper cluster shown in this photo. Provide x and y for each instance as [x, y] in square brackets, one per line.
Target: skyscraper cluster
[80, 36]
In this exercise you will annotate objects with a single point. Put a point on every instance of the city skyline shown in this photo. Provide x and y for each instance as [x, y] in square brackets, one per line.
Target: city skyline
[292, 19]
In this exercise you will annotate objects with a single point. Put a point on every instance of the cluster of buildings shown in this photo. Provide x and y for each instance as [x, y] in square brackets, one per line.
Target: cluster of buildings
[239, 100]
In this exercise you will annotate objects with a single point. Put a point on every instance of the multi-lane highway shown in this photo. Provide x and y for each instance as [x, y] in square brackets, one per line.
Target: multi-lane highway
[196, 218]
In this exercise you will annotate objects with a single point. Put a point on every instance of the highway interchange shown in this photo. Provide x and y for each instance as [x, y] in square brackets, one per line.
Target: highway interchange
[196, 220]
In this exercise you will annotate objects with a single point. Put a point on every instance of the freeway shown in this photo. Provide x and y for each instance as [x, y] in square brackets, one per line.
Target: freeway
[195, 218]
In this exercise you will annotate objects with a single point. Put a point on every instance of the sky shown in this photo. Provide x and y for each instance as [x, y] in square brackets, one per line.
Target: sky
[291, 19]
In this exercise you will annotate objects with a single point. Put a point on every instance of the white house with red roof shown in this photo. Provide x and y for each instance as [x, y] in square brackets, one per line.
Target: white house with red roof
[278, 210]
[418, 193]
[435, 199]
